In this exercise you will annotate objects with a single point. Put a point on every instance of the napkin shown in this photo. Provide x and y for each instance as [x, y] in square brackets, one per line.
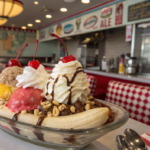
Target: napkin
[146, 138]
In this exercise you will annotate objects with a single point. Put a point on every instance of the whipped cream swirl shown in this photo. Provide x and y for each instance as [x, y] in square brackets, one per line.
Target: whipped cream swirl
[31, 77]
[68, 83]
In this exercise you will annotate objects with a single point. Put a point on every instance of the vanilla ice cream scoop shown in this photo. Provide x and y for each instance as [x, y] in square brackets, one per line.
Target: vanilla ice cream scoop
[31, 77]
[67, 84]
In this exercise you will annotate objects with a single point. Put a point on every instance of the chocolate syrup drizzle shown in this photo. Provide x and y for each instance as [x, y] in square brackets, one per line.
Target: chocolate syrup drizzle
[69, 98]
[75, 74]
[40, 120]
[79, 68]
[51, 78]
[53, 88]
[68, 83]
[15, 117]
[39, 133]
[47, 88]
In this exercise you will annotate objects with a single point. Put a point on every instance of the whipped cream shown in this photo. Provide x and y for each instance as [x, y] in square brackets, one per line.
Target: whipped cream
[68, 83]
[31, 77]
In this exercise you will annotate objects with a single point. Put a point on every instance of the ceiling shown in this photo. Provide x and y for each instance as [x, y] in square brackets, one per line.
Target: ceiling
[32, 12]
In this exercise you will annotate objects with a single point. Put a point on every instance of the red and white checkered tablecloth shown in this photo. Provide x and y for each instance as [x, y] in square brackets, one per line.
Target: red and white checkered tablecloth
[135, 99]
[92, 81]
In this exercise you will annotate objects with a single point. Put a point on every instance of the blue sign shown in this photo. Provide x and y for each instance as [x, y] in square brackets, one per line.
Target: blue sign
[68, 28]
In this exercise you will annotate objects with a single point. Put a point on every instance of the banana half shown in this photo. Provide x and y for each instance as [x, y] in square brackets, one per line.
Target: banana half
[88, 119]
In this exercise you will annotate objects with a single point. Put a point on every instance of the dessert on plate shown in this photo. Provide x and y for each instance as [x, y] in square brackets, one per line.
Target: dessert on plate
[60, 100]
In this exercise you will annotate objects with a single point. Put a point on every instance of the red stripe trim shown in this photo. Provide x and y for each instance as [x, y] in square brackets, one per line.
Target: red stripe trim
[78, 13]
[147, 134]
[19, 29]
[18, 1]
[146, 142]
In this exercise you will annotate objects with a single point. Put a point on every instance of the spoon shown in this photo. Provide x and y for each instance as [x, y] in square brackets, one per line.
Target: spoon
[134, 140]
[121, 144]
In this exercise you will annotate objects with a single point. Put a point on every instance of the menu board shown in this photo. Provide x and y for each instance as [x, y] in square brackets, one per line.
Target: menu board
[139, 11]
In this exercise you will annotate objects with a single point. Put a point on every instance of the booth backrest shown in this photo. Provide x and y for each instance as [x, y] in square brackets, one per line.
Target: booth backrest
[93, 82]
[134, 98]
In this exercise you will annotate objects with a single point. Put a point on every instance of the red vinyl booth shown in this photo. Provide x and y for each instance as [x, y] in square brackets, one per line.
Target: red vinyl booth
[134, 98]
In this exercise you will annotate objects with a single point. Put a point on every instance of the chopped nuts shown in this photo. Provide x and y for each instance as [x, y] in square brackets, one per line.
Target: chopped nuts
[55, 103]
[90, 97]
[62, 107]
[87, 107]
[72, 109]
[36, 111]
[2, 102]
[55, 111]
[50, 115]
[40, 113]
[47, 106]
[92, 102]
[87, 102]
[49, 112]
[47, 102]
[23, 111]
[1, 107]
[43, 103]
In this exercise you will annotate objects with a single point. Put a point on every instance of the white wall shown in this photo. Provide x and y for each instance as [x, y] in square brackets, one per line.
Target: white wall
[72, 46]
[115, 44]
[45, 49]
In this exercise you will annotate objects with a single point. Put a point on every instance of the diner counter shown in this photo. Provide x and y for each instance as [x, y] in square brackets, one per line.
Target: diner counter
[135, 78]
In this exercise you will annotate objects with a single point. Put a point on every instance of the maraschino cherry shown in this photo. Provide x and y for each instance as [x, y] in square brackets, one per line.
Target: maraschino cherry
[15, 62]
[34, 63]
[66, 58]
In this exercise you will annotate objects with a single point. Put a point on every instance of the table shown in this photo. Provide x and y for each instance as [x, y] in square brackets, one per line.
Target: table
[106, 142]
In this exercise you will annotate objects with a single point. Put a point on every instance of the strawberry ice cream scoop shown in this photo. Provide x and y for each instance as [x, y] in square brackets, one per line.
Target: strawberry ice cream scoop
[25, 99]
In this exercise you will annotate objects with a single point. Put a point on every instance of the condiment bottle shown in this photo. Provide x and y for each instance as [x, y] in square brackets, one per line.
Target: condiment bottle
[121, 65]
[104, 64]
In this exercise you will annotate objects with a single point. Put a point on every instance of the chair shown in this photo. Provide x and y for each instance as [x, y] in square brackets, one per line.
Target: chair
[134, 98]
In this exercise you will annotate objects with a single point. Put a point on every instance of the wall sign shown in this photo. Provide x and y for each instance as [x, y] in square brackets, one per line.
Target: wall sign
[106, 12]
[42, 34]
[68, 28]
[106, 17]
[90, 22]
[58, 29]
[128, 33]
[78, 23]
[139, 11]
[119, 14]
[109, 16]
